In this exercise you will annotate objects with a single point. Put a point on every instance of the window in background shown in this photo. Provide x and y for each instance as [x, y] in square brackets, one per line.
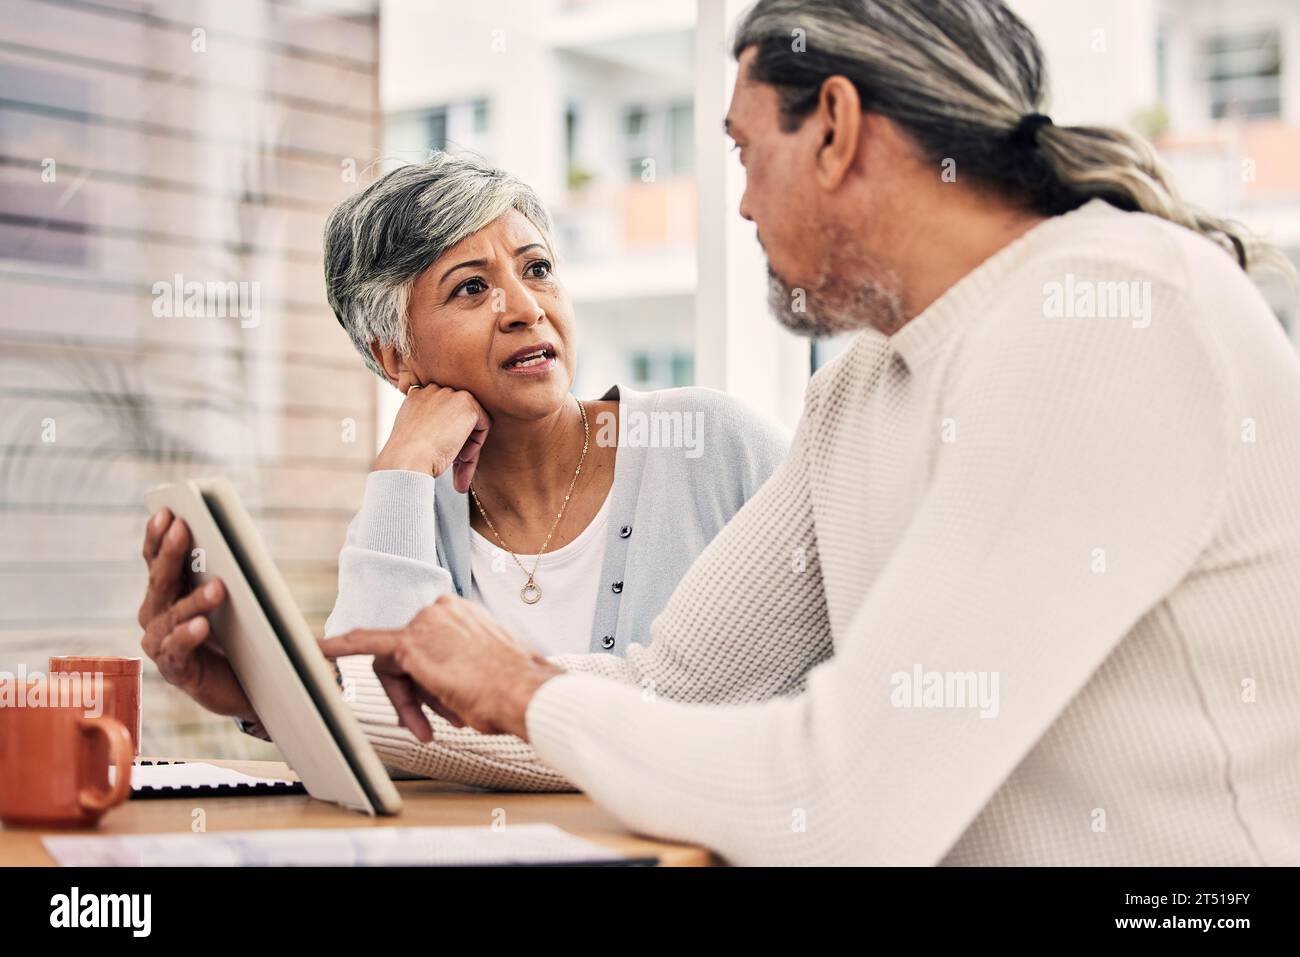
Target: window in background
[664, 132]
[640, 363]
[464, 125]
[681, 127]
[824, 350]
[435, 128]
[1243, 71]
[661, 369]
[683, 368]
[45, 225]
[637, 143]
[164, 313]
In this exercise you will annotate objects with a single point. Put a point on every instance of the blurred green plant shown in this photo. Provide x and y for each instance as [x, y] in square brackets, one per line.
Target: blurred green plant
[579, 178]
[1151, 122]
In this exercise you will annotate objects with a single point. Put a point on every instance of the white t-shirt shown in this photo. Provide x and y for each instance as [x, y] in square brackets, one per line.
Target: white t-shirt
[569, 577]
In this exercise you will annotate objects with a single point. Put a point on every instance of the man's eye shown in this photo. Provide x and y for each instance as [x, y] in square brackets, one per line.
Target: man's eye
[539, 269]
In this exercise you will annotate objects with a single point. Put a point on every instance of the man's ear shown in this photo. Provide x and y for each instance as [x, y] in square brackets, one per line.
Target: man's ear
[393, 363]
[839, 111]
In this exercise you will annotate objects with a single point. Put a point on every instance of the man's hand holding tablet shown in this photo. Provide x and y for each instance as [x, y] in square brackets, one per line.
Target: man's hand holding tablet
[176, 623]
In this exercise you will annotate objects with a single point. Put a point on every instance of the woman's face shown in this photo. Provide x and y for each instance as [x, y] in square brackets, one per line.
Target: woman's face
[485, 304]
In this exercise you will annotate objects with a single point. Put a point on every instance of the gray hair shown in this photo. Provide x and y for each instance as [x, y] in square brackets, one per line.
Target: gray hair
[378, 241]
[959, 76]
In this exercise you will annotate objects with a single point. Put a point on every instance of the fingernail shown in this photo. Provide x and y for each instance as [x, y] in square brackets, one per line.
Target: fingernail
[196, 626]
[156, 520]
[211, 591]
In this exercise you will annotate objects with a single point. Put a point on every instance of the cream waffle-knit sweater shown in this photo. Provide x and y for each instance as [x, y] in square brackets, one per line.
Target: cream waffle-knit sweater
[1026, 590]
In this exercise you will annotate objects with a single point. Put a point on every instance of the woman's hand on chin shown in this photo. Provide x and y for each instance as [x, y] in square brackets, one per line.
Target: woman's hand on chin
[436, 428]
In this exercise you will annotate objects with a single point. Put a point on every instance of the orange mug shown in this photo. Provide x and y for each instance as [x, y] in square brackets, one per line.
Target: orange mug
[122, 680]
[52, 767]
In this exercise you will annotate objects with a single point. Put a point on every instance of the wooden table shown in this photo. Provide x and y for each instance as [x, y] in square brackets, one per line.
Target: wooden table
[425, 803]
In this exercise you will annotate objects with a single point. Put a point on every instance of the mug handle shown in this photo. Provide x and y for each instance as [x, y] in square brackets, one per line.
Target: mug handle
[121, 753]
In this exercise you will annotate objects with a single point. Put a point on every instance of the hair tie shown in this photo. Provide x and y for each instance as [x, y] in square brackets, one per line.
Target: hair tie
[1025, 135]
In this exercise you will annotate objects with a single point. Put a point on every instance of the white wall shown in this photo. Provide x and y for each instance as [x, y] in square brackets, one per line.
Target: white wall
[739, 347]
[1100, 55]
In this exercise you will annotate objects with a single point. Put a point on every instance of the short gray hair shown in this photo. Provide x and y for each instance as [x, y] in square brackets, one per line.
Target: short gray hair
[378, 241]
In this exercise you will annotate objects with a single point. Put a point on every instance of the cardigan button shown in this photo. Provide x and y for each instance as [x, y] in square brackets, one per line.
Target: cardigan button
[617, 588]
[625, 531]
[607, 642]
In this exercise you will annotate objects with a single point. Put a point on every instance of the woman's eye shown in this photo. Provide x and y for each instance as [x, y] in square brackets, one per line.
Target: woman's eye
[472, 287]
[539, 269]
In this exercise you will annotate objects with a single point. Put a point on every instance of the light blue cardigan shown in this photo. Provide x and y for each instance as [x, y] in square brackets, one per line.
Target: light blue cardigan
[410, 542]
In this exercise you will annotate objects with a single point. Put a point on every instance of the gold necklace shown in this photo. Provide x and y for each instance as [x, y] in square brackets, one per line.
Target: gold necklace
[531, 593]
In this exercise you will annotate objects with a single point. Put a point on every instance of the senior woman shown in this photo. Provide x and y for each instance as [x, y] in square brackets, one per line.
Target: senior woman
[571, 520]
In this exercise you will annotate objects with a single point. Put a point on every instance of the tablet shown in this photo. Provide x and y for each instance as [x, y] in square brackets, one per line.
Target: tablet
[274, 653]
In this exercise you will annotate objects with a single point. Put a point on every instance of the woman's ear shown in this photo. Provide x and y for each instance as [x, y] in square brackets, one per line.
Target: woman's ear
[393, 363]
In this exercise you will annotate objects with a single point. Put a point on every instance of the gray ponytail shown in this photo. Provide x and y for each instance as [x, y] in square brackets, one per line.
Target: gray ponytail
[959, 76]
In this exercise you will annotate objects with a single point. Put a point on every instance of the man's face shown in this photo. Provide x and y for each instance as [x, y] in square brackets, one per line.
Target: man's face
[778, 176]
[822, 277]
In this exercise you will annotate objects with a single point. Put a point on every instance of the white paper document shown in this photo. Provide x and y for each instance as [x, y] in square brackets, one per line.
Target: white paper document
[333, 847]
[189, 774]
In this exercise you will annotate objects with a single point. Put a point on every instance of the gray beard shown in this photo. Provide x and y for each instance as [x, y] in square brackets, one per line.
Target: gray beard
[835, 304]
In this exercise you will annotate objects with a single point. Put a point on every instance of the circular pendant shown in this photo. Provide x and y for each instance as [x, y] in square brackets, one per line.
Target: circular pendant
[530, 593]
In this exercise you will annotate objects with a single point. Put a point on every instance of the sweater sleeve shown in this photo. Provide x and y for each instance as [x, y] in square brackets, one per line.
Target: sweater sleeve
[1085, 479]
[703, 661]
[388, 571]
[388, 567]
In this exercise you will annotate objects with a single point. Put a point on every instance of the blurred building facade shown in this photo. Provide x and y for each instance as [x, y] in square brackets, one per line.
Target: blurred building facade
[1228, 79]
[1215, 86]
[165, 170]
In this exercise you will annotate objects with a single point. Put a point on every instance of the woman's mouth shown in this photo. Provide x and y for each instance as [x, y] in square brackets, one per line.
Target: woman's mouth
[532, 360]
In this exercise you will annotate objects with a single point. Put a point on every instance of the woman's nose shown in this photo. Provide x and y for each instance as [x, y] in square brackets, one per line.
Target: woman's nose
[518, 307]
